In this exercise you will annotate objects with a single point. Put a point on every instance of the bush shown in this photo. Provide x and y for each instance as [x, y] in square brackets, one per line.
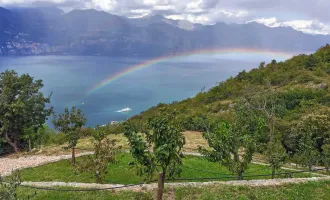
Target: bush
[58, 139]
[305, 78]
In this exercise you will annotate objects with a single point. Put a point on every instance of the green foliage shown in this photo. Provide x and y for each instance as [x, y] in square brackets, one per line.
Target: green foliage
[313, 135]
[325, 155]
[226, 143]
[233, 144]
[38, 137]
[58, 139]
[22, 106]
[307, 152]
[276, 156]
[70, 123]
[105, 151]
[295, 98]
[9, 189]
[158, 147]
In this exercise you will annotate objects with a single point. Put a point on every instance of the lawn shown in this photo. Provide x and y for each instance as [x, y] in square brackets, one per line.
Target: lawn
[308, 191]
[193, 167]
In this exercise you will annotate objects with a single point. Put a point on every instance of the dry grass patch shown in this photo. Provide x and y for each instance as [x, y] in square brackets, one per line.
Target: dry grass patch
[193, 140]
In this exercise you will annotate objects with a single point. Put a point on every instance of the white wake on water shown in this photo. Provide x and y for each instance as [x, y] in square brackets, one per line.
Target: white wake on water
[124, 110]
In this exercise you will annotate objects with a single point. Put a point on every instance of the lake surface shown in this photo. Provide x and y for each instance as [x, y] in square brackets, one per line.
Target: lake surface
[70, 78]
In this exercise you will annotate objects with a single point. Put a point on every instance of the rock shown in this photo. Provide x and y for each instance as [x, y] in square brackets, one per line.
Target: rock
[323, 86]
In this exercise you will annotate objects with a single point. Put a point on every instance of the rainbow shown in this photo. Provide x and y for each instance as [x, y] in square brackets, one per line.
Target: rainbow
[154, 61]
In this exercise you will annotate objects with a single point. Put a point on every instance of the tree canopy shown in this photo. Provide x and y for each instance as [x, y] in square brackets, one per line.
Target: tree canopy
[22, 106]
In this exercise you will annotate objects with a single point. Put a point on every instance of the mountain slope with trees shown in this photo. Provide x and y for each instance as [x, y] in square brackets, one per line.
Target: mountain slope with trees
[283, 107]
[302, 82]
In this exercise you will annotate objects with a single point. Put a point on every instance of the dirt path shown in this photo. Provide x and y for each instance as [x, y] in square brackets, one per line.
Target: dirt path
[7, 165]
[144, 187]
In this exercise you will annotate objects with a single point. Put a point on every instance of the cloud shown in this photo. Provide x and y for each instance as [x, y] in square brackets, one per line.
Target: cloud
[306, 26]
[212, 17]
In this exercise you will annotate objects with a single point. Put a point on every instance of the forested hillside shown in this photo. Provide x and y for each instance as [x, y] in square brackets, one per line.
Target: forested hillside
[302, 84]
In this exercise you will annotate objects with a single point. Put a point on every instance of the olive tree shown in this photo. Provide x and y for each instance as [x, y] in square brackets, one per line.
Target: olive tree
[313, 133]
[22, 105]
[267, 104]
[105, 151]
[231, 146]
[157, 149]
[70, 123]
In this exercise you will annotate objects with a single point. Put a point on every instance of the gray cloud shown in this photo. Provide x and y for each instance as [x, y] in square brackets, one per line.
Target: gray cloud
[208, 11]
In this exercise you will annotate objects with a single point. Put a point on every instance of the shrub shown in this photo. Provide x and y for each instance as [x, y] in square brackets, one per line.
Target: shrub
[58, 139]
[105, 151]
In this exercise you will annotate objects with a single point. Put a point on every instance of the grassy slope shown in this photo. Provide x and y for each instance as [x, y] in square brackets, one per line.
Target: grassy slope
[122, 173]
[308, 191]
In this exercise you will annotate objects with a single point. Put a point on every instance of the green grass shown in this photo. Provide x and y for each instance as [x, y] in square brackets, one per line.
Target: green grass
[121, 173]
[23, 193]
[309, 191]
[312, 190]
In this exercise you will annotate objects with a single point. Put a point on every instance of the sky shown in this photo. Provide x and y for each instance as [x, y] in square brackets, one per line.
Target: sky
[309, 16]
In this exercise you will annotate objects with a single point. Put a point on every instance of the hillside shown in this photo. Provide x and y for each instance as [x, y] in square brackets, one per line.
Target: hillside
[50, 31]
[302, 82]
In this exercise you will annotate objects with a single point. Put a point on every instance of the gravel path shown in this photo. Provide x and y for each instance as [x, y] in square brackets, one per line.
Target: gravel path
[7, 165]
[250, 183]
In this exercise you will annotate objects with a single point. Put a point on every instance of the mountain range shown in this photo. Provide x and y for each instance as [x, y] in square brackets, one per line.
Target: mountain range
[50, 31]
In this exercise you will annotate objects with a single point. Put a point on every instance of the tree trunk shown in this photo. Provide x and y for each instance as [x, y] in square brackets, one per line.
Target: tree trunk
[273, 172]
[240, 175]
[12, 144]
[161, 181]
[30, 148]
[73, 156]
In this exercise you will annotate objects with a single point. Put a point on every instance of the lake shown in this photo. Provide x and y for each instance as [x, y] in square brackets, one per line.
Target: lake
[70, 78]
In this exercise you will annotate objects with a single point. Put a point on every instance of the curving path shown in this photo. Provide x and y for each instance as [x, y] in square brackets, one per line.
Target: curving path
[152, 186]
[7, 165]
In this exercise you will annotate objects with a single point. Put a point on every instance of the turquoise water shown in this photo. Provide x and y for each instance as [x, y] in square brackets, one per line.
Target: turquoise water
[69, 79]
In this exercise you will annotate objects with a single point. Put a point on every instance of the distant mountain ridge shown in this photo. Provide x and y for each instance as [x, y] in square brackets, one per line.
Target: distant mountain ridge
[50, 31]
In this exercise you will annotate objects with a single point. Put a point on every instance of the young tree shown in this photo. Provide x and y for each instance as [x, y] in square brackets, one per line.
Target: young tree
[326, 154]
[105, 151]
[276, 155]
[158, 148]
[22, 105]
[36, 136]
[70, 124]
[8, 189]
[313, 133]
[307, 152]
[30, 135]
[267, 105]
[232, 145]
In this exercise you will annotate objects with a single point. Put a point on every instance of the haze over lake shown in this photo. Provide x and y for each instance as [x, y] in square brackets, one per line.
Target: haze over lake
[70, 78]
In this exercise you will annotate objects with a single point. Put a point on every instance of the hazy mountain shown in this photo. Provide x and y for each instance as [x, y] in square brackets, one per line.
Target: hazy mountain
[48, 30]
[159, 19]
